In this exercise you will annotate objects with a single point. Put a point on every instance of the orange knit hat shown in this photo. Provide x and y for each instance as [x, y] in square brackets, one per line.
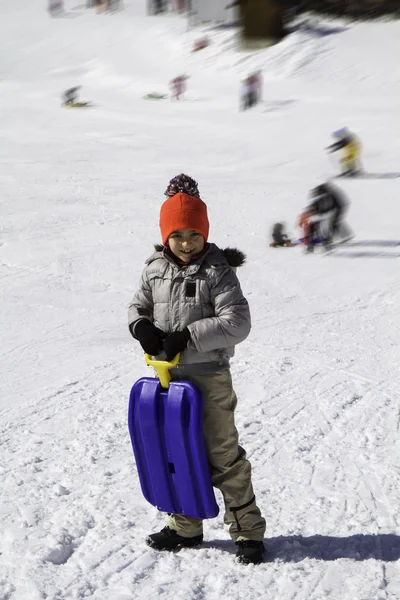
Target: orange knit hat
[182, 211]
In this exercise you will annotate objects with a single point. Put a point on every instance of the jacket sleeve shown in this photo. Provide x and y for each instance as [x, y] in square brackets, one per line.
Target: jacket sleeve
[337, 145]
[141, 306]
[231, 323]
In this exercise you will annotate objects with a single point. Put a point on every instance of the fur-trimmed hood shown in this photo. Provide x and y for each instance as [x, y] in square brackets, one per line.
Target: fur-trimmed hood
[234, 256]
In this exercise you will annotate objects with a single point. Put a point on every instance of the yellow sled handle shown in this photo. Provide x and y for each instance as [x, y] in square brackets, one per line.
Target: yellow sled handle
[162, 368]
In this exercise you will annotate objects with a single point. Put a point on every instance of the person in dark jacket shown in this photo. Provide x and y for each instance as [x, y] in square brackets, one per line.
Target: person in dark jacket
[190, 303]
[331, 204]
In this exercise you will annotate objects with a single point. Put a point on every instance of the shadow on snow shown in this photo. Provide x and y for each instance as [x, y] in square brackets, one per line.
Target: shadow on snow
[295, 548]
[380, 243]
[383, 547]
[366, 175]
[364, 252]
[312, 26]
[378, 176]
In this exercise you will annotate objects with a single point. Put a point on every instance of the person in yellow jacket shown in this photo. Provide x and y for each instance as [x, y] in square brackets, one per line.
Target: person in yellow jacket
[350, 146]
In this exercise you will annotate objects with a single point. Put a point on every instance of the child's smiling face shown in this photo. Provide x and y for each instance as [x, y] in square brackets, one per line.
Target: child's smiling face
[186, 243]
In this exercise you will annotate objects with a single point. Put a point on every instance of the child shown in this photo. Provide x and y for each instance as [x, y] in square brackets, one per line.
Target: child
[310, 224]
[351, 149]
[190, 302]
[279, 237]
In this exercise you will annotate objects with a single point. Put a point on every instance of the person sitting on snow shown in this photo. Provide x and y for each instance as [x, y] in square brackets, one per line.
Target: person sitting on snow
[351, 149]
[70, 96]
[279, 237]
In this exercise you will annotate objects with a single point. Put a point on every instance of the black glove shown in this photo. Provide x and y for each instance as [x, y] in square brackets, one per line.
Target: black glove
[149, 336]
[176, 342]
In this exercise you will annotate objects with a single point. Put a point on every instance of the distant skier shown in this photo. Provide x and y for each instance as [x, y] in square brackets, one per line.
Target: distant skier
[70, 98]
[257, 83]
[251, 90]
[245, 94]
[55, 7]
[178, 86]
[350, 146]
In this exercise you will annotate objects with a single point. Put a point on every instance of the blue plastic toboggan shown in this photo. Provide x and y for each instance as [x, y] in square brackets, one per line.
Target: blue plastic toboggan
[165, 422]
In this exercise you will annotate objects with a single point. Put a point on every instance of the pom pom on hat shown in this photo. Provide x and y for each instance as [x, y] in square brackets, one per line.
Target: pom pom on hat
[182, 183]
[183, 211]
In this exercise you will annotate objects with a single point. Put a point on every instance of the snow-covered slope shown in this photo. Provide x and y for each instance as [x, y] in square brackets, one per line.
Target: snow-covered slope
[317, 379]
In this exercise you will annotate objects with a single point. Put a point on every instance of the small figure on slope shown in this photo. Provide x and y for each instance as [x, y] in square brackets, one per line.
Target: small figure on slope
[70, 99]
[279, 237]
[55, 7]
[251, 90]
[70, 96]
[178, 86]
[350, 146]
[245, 94]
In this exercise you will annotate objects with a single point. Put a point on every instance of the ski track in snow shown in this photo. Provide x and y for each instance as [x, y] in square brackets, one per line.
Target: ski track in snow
[317, 379]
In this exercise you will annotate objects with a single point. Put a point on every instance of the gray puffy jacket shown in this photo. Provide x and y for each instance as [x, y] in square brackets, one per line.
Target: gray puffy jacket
[204, 296]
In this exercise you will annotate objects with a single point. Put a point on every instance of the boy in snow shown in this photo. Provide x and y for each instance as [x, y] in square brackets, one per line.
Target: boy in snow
[190, 302]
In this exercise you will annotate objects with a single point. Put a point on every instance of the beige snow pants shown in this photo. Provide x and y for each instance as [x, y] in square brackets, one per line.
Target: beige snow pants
[230, 470]
[100, 6]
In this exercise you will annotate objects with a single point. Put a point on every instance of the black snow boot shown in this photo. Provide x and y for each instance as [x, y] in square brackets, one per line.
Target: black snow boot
[169, 539]
[250, 552]
[328, 243]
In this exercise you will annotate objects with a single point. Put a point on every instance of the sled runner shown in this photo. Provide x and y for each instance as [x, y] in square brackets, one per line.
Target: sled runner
[165, 422]
[316, 241]
[78, 104]
[155, 96]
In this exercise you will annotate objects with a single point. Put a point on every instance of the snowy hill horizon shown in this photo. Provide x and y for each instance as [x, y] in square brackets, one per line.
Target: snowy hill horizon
[317, 379]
